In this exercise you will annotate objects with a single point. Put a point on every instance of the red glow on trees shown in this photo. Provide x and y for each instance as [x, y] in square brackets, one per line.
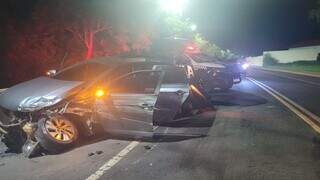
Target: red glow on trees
[85, 33]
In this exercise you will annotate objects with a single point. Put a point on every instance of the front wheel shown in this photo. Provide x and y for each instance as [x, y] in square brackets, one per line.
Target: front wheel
[56, 134]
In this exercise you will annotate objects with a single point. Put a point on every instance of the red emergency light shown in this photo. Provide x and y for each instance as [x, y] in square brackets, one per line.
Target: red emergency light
[192, 49]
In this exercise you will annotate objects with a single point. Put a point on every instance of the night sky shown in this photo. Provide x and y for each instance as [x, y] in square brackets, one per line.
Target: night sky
[251, 26]
[245, 26]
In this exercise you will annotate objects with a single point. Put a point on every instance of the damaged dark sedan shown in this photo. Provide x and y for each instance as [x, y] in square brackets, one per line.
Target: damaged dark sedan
[113, 94]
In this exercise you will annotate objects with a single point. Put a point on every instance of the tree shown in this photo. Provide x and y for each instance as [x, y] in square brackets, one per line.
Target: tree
[35, 49]
[79, 19]
[315, 13]
[268, 60]
[212, 49]
[176, 26]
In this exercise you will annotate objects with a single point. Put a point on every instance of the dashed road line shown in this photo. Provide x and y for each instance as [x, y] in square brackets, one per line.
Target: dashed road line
[311, 119]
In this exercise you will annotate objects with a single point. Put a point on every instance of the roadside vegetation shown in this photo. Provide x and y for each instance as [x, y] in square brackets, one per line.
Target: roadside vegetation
[312, 67]
[60, 33]
[305, 68]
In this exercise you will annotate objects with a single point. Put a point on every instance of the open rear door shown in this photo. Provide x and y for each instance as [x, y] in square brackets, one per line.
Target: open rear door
[130, 105]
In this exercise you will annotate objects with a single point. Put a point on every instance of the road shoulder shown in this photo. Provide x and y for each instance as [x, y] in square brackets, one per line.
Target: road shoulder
[317, 75]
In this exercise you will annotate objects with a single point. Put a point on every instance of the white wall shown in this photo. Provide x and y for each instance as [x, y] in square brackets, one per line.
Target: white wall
[255, 61]
[296, 54]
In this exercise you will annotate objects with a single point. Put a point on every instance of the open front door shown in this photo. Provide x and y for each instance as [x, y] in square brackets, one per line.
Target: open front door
[131, 102]
[173, 93]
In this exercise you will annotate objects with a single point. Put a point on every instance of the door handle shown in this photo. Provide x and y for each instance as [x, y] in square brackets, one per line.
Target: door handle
[180, 92]
[146, 106]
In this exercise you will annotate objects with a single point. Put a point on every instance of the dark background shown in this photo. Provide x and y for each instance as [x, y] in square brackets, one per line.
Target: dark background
[251, 26]
[245, 26]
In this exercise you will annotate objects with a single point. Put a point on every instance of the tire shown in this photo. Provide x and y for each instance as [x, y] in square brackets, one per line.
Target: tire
[52, 144]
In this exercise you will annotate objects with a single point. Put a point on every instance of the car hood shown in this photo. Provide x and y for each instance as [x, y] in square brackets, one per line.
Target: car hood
[36, 94]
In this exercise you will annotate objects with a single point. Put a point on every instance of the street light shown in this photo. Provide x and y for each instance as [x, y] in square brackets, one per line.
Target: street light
[173, 6]
[193, 27]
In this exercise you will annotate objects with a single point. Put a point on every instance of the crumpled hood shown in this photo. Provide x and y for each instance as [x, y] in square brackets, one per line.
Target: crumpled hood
[36, 94]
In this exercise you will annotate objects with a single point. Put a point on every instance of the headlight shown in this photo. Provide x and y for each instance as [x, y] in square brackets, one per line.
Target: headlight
[245, 66]
[99, 93]
[37, 103]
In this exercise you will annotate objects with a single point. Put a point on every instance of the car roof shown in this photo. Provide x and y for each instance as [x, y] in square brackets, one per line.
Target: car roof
[116, 61]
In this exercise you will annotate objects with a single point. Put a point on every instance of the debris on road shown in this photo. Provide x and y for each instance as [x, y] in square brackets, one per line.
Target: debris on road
[99, 152]
[90, 154]
[95, 153]
[147, 147]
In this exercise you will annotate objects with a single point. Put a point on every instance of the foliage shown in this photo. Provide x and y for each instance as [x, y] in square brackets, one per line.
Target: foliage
[212, 49]
[63, 32]
[35, 49]
[79, 29]
[268, 60]
[178, 27]
[307, 67]
[315, 13]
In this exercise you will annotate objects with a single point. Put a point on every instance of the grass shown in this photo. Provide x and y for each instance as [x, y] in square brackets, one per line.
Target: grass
[300, 66]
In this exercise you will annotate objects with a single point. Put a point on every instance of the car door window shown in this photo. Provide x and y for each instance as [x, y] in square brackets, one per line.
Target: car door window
[144, 82]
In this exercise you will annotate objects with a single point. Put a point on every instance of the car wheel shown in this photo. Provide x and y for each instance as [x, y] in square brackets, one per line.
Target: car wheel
[56, 134]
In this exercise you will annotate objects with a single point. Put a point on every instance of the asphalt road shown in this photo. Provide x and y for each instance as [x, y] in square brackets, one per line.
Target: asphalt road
[249, 135]
[303, 90]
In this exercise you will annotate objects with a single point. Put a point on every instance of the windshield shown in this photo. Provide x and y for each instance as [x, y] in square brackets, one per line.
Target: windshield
[83, 72]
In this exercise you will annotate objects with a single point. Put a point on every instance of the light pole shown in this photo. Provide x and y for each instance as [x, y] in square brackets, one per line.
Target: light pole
[193, 27]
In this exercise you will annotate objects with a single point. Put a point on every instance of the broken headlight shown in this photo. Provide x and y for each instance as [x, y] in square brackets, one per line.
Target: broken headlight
[37, 103]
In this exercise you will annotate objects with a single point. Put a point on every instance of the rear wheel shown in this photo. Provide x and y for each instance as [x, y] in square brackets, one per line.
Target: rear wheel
[56, 134]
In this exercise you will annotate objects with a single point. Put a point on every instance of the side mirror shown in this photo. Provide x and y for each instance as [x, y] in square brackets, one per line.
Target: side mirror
[51, 72]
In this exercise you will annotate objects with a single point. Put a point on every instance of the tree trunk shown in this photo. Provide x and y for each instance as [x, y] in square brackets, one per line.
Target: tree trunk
[89, 45]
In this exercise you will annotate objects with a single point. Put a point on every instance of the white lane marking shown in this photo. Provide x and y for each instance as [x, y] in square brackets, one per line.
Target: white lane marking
[294, 107]
[284, 76]
[108, 165]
